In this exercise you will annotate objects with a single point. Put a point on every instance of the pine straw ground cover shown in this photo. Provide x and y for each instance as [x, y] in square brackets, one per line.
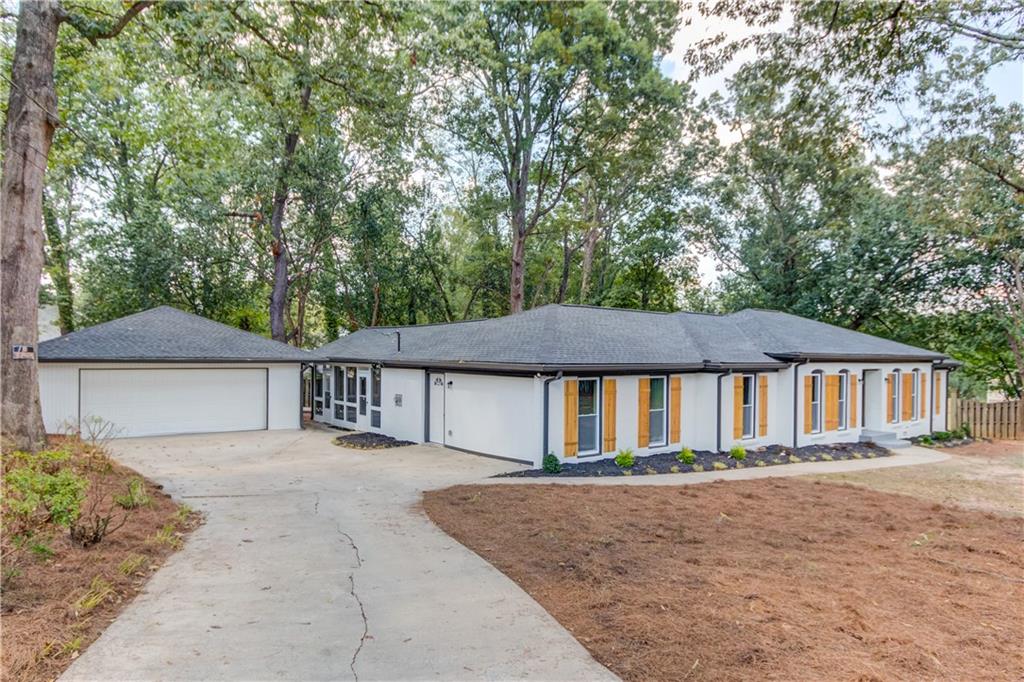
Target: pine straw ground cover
[776, 579]
[59, 596]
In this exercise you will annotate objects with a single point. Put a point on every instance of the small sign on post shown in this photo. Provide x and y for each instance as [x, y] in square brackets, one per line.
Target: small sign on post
[23, 352]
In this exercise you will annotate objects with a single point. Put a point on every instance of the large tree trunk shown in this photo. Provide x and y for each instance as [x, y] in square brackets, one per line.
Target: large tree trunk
[58, 265]
[518, 274]
[279, 290]
[28, 132]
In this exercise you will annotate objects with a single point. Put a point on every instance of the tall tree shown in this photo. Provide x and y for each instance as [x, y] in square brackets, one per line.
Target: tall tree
[31, 120]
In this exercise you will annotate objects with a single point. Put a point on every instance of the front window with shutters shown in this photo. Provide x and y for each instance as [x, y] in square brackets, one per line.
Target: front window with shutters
[894, 396]
[915, 395]
[748, 405]
[657, 412]
[844, 386]
[587, 420]
[816, 387]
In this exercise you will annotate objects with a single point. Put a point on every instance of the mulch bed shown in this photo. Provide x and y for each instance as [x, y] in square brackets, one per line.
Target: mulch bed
[705, 460]
[780, 578]
[56, 606]
[369, 441]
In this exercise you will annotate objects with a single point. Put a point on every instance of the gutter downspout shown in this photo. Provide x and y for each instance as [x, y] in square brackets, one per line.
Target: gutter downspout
[718, 412]
[547, 401]
[796, 385]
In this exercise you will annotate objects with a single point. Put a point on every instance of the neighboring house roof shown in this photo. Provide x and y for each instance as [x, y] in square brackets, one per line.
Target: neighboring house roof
[575, 337]
[165, 334]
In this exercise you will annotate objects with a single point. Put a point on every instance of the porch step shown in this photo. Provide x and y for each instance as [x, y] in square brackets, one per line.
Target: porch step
[886, 439]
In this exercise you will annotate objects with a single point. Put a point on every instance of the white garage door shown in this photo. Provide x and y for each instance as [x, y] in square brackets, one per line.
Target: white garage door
[151, 402]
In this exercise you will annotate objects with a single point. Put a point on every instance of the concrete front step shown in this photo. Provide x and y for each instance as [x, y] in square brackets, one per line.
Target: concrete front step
[887, 439]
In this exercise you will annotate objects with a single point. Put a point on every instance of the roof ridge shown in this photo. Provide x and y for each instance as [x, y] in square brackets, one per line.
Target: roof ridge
[605, 307]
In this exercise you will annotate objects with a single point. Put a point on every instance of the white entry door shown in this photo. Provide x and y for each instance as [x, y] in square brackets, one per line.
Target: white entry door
[437, 385]
[153, 402]
[363, 399]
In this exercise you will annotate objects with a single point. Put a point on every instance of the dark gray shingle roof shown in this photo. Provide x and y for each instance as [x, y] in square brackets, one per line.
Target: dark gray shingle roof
[165, 334]
[563, 336]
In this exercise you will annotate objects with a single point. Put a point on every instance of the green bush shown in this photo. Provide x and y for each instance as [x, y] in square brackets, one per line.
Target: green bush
[686, 456]
[926, 440]
[738, 453]
[941, 436]
[625, 458]
[964, 431]
[135, 497]
[35, 494]
[551, 464]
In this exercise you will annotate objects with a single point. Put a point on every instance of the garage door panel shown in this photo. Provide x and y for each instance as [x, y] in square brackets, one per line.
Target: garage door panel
[150, 402]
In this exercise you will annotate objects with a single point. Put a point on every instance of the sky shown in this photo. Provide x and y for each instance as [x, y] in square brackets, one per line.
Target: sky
[1005, 81]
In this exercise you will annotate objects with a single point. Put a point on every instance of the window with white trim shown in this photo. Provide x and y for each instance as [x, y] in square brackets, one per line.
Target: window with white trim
[843, 399]
[915, 395]
[656, 412]
[894, 398]
[816, 380]
[749, 404]
[588, 420]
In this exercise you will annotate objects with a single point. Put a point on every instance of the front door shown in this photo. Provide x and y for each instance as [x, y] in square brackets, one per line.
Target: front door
[363, 400]
[437, 408]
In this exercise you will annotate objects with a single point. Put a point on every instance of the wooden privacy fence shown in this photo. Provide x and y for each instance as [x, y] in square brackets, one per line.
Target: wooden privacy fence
[988, 420]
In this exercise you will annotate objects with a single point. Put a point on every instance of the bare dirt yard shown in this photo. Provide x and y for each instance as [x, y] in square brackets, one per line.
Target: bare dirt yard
[60, 593]
[777, 579]
[985, 475]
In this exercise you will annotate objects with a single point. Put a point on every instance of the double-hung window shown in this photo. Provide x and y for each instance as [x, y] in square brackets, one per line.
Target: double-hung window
[844, 386]
[816, 387]
[749, 381]
[657, 412]
[894, 396]
[915, 394]
[588, 421]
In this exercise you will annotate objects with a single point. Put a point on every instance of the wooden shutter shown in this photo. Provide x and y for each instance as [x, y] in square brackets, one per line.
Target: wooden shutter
[609, 415]
[831, 402]
[808, 389]
[937, 388]
[571, 412]
[923, 395]
[907, 408]
[890, 387]
[643, 413]
[853, 401]
[762, 405]
[675, 406]
[737, 406]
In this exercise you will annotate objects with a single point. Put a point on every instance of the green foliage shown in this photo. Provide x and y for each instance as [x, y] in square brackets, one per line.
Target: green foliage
[926, 441]
[131, 564]
[686, 456]
[38, 491]
[135, 497]
[942, 436]
[552, 464]
[738, 452]
[625, 458]
[720, 466]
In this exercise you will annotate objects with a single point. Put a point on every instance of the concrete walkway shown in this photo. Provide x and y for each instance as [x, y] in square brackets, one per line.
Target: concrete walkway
[904, 457]
[315, 564]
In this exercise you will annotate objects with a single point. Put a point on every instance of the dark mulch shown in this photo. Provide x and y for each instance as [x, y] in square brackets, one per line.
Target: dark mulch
[369, 441]
[933, 442]
[666, 462]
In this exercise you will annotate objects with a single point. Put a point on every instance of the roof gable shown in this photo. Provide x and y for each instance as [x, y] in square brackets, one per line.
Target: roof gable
[167, 334]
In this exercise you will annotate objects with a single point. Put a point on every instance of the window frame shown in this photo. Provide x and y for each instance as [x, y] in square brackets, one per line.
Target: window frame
[915, 395]
[596, 415]
[817, 388]
[843, 401]
[897, 387]
[744, 435]
[651, 443]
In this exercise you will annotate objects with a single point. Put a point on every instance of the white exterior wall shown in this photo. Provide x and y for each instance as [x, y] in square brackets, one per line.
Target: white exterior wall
[493, 415]
[777, 422]
[405, 421]
[59, 389]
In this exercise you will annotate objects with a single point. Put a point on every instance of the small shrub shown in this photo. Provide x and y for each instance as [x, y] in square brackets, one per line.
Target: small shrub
[941, 436]
[627, 472]
[857, 455]
[551, 464]
[738, 453]
[97, 593]
[165, 536]
[648, 470]
[872, 454]
[698, 467]
[674, 469]
[625, 458]
[827, 457]
[739, 465]
[135, 497]
[812, 458]
[761, 463]
[793, 459]
[34, 496]
[184, 511]
[686, 456]
[965, 431]
[133, 563]
[720, 466]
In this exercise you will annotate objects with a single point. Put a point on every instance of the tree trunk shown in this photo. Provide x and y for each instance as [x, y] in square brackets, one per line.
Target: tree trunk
[279, 289]
[28, 132]
[517, 291]
[58, 265]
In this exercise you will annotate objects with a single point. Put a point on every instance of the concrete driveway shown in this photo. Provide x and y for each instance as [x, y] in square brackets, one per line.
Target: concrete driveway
[315, 563]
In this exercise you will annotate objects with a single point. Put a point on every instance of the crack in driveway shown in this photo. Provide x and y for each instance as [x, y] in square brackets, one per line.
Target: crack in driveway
[354, 595]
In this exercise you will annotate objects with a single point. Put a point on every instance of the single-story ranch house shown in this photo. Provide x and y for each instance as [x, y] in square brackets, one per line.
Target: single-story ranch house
[581, 381]
[165, 371]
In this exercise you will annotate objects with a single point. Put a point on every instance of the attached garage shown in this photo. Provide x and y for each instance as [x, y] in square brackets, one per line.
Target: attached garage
[165, 372]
